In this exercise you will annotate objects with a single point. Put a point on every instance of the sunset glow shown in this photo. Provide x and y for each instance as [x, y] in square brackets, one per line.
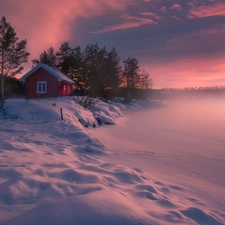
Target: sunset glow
[180, 43]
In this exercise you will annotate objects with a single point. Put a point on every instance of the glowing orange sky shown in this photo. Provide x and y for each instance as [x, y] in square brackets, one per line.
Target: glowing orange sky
[189, 72]
[180, 43]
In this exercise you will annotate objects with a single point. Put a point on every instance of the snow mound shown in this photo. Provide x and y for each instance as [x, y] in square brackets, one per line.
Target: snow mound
[49, 110]
[105, 113]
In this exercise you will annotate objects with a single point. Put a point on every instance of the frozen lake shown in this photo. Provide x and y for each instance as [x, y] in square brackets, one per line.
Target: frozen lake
[182, 143]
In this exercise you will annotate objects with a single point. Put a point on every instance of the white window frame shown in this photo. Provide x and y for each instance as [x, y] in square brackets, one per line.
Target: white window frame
[41, 87]
[64, 87]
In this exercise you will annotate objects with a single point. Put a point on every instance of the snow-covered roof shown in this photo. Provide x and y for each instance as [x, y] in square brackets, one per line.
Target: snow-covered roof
[56, 73]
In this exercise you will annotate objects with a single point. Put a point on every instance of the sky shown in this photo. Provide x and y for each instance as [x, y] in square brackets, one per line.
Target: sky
[180, 43]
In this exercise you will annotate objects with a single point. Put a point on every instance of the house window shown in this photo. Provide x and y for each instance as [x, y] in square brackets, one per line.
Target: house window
[64, 87]
[41, 87]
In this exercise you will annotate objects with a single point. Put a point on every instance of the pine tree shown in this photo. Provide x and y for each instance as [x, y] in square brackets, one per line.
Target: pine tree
[47, 57]
[77, 68]
[131, 75]
[100, 71]
[12, 54]
[64, 58]
[70, 62]
[111, 75]
[93, 58]
[145, 80]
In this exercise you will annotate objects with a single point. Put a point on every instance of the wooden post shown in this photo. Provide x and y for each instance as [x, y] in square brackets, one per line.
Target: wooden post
[61, 113]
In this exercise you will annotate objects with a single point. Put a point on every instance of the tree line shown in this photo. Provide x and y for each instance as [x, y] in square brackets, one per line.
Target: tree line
[98, 72]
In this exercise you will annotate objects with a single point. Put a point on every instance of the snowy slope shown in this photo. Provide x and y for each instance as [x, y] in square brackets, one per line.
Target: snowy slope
[54, 171]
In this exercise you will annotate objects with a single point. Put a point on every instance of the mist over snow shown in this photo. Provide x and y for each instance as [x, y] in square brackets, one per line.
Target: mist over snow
[157, 163]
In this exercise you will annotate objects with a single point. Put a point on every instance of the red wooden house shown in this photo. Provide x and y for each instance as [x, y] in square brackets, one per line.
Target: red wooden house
[46, 82]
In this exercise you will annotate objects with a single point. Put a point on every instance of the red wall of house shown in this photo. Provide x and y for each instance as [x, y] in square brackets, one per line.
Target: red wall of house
[68, 90]
[41, 75]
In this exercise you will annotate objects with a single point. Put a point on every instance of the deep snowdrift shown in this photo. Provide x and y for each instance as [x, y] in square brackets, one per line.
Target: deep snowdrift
[53, 171]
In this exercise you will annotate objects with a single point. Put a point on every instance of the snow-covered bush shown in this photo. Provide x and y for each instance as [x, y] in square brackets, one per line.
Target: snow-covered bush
[85, 101]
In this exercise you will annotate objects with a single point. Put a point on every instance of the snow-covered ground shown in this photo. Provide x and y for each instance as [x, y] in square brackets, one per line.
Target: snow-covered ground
[160, 164]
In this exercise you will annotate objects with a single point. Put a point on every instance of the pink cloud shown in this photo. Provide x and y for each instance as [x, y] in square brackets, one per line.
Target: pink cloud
[177, 7]
[48, 23]
[208, 36]
[217, 9]
[150, 14]
[139, 19]
[133, 22]
[175, 17]
[163, 9]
